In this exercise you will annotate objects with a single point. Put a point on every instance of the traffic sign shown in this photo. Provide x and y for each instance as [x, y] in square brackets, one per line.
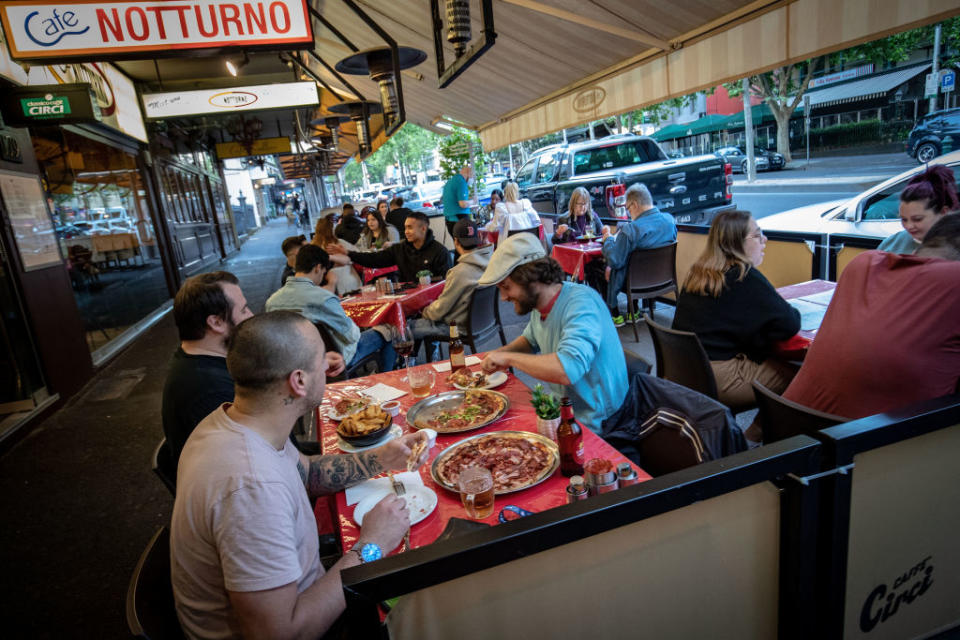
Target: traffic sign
[948, 80]
[930, 89]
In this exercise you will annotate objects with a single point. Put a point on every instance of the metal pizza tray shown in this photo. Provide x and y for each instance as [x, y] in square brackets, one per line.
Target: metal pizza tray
[429, 408]
[528, 435]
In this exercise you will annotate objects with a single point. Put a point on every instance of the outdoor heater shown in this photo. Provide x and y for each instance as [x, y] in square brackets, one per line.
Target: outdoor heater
[360, 112]
[378, 64]
[333, 124]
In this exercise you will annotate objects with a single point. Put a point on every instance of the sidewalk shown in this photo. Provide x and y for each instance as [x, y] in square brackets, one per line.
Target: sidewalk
[831, 173]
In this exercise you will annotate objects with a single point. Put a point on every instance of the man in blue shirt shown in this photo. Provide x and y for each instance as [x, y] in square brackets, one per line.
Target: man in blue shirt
[570, 341]
[649, 228]
[456, 197]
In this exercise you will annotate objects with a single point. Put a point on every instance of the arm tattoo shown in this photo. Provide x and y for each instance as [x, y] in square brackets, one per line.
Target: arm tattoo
[332, 473]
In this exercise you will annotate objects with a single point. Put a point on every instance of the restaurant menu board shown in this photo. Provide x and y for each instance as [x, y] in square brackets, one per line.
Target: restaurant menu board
[33, 231]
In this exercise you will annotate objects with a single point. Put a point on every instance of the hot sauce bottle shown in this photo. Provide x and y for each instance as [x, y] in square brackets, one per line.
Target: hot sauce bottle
[570, 439]
[457, 358]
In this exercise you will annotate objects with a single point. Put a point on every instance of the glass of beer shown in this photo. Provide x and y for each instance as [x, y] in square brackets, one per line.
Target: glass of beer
[476, 492]
[421, 381]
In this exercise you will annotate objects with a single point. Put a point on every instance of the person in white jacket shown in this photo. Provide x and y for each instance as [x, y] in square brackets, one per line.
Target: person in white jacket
[513, 213]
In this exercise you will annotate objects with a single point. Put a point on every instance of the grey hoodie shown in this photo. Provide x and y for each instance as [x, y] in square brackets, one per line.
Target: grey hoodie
[452, 305]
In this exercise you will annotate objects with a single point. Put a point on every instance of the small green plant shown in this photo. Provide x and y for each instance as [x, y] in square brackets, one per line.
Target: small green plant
[423, 273]
[545, 404]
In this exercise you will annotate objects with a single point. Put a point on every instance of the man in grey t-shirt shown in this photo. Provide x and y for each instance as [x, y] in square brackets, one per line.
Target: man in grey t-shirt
[243, 536]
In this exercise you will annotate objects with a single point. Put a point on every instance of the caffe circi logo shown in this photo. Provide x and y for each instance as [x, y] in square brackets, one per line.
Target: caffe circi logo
[49, 106]
[885, 600]
[233, 99]
[48, 30]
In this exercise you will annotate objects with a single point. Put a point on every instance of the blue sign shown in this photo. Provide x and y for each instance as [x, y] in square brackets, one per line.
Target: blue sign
[948, 80]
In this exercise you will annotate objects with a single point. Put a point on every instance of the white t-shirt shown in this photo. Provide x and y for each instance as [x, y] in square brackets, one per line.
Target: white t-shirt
[241, 522]
[509, 216]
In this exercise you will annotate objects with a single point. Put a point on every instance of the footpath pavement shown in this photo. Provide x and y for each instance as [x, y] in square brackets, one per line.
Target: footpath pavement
[838, 173]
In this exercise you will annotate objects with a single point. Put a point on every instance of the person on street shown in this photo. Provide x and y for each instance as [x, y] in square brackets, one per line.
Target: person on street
[456, 196]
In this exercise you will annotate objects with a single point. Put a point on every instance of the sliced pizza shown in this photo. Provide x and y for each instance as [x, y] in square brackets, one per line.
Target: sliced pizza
[515, 462]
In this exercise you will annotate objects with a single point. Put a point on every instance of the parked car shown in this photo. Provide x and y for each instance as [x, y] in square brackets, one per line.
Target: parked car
[424, 197]
[766, 160]
[692, 189]
[933, 133]
[875, 213]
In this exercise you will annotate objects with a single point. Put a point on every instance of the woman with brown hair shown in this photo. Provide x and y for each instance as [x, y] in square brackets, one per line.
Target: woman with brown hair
[347, 278]
[736, 312]
[377, 234]
[578, 220]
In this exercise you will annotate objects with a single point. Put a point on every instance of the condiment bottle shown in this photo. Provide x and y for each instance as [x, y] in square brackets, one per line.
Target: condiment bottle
[600, 476]
[457, 359]
[626, 475]
[577, 490]
[570, 440]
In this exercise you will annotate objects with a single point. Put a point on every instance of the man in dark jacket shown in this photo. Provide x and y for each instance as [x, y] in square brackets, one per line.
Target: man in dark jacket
[419, 252]
[350, 226]
[398, 213]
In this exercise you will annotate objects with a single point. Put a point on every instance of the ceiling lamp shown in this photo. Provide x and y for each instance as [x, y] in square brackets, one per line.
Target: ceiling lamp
[234, 66]
[360, 112]
[458, 33]
[333, 124]
[378, 64]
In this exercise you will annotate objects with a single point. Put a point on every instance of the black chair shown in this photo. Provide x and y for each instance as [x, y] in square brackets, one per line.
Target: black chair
[681, 359]
[352, 369]
[635, 364]
[151, 612]
[164, 466]
[483, 321]
[781, 418]
[534, 230]
[651, 273]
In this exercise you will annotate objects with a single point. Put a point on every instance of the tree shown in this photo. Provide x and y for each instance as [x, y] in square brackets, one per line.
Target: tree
[455, 151]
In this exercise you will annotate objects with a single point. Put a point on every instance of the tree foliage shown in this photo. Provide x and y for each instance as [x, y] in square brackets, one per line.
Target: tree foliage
[455, 152]
[407, 150]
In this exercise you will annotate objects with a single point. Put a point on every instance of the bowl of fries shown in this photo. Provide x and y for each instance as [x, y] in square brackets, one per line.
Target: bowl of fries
[366, 426]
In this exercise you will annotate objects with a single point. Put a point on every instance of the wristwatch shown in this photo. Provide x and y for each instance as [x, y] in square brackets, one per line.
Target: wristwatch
[368, 552]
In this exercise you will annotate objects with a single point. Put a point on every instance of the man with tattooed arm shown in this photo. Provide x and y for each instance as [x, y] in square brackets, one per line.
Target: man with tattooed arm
[243, 539]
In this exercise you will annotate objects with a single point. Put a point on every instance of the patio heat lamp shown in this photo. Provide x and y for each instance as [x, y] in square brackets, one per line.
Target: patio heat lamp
[359, 112]
[332, 123]
[378, 64]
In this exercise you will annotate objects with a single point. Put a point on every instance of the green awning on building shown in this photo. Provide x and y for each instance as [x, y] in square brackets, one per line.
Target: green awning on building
[708, 124]
[761, 115]
[671, 132]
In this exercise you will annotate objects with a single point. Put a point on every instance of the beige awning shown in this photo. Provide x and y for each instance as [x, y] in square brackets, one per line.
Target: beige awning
[560, 63]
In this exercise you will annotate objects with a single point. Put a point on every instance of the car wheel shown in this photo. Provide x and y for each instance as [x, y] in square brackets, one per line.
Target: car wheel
[927, 152]
[744, 166]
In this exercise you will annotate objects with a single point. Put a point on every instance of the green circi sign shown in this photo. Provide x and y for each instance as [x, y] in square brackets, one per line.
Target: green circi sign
[47, 107]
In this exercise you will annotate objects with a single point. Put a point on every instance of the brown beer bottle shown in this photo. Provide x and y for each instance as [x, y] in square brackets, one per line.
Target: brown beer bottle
[570, 439]
[457, 359]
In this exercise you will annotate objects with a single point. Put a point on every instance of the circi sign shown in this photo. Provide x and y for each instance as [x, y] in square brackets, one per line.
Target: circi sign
[233, 99]
[589, 99]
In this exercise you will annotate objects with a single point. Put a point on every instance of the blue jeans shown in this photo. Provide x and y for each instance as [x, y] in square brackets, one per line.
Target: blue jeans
[371, 342]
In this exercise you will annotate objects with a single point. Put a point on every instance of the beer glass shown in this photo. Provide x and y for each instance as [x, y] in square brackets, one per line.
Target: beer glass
[476, 492]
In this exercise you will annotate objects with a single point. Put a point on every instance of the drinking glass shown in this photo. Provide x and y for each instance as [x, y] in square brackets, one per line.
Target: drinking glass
[403, 344]
[421, 381]
[476, 492]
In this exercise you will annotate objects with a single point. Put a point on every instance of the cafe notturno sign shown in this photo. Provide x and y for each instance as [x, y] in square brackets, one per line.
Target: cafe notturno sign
[94, 30]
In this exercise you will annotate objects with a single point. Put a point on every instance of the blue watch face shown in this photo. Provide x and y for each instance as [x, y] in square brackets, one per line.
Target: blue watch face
[370, 552]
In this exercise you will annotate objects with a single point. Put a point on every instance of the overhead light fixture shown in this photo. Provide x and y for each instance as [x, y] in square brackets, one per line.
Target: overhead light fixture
[234, 66]
[359, 112]
[378, 64]
[458, 33]
[443, 124]
[446, 123]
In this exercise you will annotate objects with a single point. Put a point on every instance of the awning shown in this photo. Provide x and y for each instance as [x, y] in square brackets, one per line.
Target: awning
[760, 112]
[672, 132]
[875, 86]
[707, 124]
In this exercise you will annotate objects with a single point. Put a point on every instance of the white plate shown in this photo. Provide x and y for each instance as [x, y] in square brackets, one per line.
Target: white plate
[494, 380]
[421, 501]
[333, 415]
[394, 432]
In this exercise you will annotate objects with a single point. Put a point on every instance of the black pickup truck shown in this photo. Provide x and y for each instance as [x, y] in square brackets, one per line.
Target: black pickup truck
[692, 189]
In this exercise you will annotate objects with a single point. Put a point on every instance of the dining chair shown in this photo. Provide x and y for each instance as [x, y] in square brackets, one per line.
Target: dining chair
[151, 612]
[650, 273]
[163, 465]
[781, 418]
[483, 321]
[351, 370]
[681, 358]
[534, 230]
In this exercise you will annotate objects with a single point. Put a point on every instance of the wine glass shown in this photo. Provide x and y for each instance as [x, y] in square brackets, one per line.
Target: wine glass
[403, 344]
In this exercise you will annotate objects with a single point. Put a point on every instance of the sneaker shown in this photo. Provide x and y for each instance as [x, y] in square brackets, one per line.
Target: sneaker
[618, 321]
[631, 318]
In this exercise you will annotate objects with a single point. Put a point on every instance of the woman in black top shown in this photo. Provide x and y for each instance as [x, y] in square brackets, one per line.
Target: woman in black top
[736, 312]
[578, 220]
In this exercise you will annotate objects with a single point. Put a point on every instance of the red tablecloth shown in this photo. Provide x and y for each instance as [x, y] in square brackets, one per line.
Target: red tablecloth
[520, 417]
[369, 311]
[369, 275]
[796, 347]
[493, 236]
[574, 256]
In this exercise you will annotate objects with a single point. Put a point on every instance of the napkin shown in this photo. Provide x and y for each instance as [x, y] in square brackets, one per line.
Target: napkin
[382, 486]
[383, 392]
[445, 366]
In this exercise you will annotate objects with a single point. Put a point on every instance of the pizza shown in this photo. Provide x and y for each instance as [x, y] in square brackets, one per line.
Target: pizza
[350, 403]
[477, 408]
[468, 379]
[514, 461]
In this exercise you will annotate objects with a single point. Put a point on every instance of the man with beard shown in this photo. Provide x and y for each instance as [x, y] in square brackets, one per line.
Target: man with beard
[570, 341]
[243, 537]
[207, 309]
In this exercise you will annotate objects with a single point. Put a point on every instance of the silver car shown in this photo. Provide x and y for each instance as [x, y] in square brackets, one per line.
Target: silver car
[875, 213]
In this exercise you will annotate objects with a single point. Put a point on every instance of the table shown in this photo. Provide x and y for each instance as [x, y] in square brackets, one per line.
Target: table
[574, 256]
[493, 236]
[520, 417]
[369, 310]
[812, 299]
[369, 275]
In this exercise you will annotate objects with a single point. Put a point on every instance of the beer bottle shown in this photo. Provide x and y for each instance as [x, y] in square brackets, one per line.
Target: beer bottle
[570, 439]
[457, 359]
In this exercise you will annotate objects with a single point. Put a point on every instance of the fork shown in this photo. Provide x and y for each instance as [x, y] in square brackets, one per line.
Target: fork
[400, 490]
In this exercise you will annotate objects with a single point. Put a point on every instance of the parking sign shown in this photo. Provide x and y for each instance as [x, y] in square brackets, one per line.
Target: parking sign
[948, 80]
